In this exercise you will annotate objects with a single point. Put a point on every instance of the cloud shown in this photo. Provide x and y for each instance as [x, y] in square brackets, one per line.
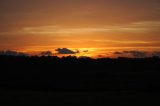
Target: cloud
[46, 53]
[66, 51]
[85, 51]
[12, 53]
[138, 27]
[118, 53]
[135, 54]
[156, 53]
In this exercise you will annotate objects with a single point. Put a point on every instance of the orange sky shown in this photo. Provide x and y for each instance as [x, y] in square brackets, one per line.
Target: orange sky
[99, 26]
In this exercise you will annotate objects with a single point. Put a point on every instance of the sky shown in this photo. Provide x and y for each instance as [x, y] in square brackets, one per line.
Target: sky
[91, 27]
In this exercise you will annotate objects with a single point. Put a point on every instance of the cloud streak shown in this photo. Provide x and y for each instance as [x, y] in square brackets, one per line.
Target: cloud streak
[137, 27]
[133, 27]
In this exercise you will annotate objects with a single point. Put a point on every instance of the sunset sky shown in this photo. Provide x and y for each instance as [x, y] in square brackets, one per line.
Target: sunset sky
[92, 27]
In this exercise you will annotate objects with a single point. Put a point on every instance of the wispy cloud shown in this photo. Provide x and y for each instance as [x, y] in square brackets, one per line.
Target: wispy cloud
[126, 41]
[133, 27]
[137, 27]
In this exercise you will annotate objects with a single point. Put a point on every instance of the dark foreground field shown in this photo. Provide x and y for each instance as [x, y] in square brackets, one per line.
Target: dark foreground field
[45, 81]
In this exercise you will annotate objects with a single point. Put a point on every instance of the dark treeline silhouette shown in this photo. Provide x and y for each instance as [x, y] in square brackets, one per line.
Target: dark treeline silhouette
[79, 74]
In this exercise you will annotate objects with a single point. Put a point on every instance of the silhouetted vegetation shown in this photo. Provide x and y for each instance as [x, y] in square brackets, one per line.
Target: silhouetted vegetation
[71, 73]
[46, 80]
